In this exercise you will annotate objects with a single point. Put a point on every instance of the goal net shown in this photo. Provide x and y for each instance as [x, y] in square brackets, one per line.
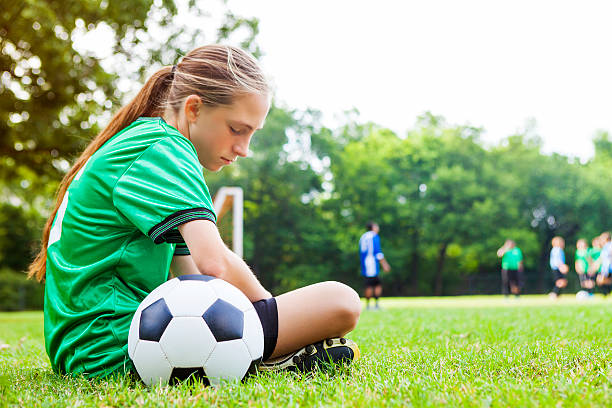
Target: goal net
[230, 222]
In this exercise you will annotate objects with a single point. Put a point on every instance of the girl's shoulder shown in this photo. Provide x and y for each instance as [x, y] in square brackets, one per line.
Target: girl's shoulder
[144, 133]
[151, 128]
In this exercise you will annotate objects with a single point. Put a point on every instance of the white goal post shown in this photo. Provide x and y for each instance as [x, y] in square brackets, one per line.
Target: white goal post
[231, 197]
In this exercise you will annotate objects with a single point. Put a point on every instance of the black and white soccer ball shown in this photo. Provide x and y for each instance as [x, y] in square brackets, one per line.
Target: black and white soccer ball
[195, 326]
[583, 295]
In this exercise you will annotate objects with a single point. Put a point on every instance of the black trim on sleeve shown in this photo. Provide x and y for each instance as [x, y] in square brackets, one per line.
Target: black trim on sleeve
[181, 250]
[173, 237]
[166, 230]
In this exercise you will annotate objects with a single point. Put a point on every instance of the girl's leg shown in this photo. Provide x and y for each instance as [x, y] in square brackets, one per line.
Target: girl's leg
[314, 313]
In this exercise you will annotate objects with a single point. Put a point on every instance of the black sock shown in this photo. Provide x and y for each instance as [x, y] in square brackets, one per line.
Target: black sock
[605, 289]
[556, 290]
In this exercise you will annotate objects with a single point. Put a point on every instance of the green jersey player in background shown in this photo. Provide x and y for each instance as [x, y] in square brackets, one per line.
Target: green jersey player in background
[594, 261]
[512, 268]
[135, 205]
[581, 264]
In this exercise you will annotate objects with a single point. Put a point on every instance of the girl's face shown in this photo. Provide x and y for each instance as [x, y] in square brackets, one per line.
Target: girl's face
[223, 133]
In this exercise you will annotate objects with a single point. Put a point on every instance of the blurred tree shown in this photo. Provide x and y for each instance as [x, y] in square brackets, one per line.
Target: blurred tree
[53, 93]
[56, 92]
[17, 231]
[603, 146]
[445, 204]
[443, 201]
[550, 193]
[595, 196]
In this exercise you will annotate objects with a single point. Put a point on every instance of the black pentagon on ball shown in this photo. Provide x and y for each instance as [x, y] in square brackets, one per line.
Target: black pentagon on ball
[180, 374]
[204, 278]
[225, 321]
[153, 320]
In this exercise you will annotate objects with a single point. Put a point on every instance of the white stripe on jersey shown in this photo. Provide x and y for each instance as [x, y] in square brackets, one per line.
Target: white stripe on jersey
[366, 246]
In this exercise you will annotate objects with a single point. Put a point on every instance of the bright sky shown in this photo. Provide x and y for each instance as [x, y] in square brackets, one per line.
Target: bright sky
[486, 63]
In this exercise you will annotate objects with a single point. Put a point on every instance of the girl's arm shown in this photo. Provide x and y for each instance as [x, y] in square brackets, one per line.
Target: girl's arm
[210, 256]
[183, 265]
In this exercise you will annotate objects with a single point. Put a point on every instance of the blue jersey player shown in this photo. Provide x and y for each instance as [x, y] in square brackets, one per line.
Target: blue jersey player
[558, 266]
[371, 256]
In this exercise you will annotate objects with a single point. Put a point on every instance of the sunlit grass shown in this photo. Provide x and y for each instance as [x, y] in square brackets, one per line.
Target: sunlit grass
[467, 351]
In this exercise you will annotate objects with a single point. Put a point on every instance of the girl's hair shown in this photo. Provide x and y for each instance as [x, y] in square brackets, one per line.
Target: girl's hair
[218, 74]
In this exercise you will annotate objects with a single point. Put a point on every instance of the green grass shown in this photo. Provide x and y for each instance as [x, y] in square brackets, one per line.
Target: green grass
[467, 351]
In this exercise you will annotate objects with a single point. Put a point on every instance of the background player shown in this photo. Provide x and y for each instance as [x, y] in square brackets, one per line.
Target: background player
[594, 262]
[604, 278]
[371, 255]
[558, 266]
[512, 268]
[581, 264]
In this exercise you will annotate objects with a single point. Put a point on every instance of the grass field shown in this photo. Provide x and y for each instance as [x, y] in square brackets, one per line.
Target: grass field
[466, 351]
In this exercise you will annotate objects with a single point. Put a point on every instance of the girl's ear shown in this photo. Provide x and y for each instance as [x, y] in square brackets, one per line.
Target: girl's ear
[192, 107]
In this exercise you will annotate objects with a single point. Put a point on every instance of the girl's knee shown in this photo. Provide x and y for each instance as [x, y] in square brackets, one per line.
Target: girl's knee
[346, 304]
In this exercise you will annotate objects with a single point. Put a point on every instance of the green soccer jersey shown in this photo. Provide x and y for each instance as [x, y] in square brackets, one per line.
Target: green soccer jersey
[512, 259]
[593, 254]
[581, 257]
[112, 241]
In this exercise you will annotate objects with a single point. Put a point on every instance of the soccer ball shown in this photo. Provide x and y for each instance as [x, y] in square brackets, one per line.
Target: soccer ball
[195, 326]
[583, 295]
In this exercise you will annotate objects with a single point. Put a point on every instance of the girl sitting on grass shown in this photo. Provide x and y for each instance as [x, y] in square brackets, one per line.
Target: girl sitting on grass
[135, 205]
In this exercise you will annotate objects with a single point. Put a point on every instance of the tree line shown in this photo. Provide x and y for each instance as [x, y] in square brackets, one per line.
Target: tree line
[444, 201]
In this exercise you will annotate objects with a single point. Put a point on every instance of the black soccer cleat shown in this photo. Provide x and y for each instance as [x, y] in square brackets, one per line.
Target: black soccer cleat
[322, 354]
